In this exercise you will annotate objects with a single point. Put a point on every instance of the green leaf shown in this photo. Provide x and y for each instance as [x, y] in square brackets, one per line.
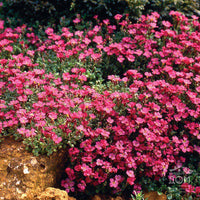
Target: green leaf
[169, 196]
[159, 193]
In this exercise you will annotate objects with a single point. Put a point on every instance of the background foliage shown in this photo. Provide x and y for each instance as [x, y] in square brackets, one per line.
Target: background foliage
[50, 12]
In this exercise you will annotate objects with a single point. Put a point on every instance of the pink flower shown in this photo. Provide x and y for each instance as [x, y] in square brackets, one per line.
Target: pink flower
[106, 21]
[95, 17]
[40, 123]
[188, 188]
[102, 132]
[70, 173]
[96, 56]
[40, 116]
[68, 185]
[131, 163]
[31, 52]
[76, 21]
[49, 31]
[56, 139]
[98, 145]
[130, 58]
[82, 185]
[98, 39]
[139, 120]
[53, 115]
[87, 159]
[197, 191]
[23, 120]
[197, 148]
[136, 143]
[96, 29]
[130, 173]
[79, 33]
[118, 17]
[113, 183]
[30, 133]
[99, 162]
[107, 109]
[1, 24]
[28, 91]
[21, 131]
[85, 167]
[110, 120]
[166, 24]
[120, 58]
[22, 98]
[112, 156]
[131, 180]
[187, 170]
[2, 104]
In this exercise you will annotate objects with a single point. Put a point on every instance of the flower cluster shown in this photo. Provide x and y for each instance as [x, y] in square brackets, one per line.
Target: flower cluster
[144, 122]
[142, 46]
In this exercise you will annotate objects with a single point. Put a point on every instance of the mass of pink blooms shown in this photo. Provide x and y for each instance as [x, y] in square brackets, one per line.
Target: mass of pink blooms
[144, 123]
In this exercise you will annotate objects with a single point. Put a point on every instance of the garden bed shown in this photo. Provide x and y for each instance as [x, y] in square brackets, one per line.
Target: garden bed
[123, 101]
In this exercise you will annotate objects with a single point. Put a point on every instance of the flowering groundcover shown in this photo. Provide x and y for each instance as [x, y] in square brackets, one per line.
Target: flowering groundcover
[134, 125]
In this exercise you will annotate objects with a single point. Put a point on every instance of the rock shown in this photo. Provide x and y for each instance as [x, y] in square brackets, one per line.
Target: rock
[149, 195]
[53, 194]
[96, 197]
[23, 175]
[155, 196]
[71, 198]
[118, 198]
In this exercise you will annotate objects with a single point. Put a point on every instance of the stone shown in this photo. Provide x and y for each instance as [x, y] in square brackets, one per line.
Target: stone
[96, 197]
[53, 194]
[118, 198]
[23, 175]
[103, 197]
[155, 196]
[71, 198]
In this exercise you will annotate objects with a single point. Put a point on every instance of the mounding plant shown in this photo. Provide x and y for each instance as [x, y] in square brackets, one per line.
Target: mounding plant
[139, 124]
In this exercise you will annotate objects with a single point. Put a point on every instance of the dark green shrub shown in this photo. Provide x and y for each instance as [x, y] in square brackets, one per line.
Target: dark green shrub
[49, 12]
[27, 11]
[135, 8]
[188, 7]
[102, 8]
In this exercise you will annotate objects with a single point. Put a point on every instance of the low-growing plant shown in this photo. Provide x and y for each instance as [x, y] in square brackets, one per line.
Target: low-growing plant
[138, 122]
[107, 49]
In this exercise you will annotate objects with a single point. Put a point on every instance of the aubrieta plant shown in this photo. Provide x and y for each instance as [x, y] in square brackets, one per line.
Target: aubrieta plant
[141, 120]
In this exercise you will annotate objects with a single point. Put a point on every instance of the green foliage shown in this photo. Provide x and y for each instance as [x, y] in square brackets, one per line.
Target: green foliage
[51, 13]
[27, 11]
[136, 7]
[138, 196]
[41, 145]
[188, 7]
[102, 8]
